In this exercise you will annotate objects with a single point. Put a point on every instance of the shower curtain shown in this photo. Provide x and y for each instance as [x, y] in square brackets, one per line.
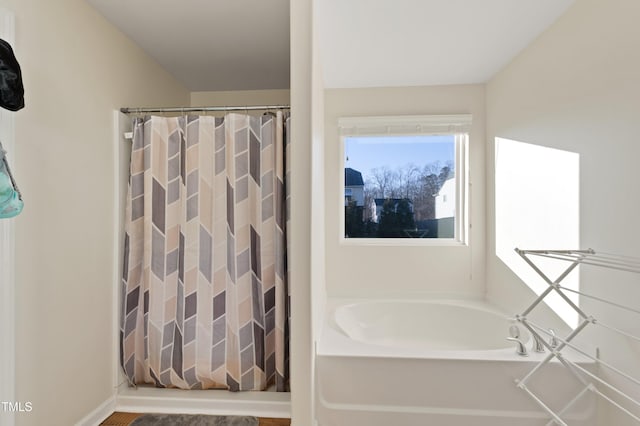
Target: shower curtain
[204, 285]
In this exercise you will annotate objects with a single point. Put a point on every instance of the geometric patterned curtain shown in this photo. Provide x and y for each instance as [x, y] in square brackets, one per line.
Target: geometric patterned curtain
[205, 300]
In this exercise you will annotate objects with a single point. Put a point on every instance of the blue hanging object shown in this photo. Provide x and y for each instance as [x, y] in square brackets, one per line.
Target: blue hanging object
[10, 197]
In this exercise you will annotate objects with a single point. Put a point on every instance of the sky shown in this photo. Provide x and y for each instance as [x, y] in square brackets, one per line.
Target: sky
[366, 153]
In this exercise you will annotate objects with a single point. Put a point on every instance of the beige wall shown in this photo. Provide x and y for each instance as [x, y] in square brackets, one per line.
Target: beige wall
[77, 70]
[383, 270]
[299, 233]
[577, 88]
[318, 291]
[241, 98]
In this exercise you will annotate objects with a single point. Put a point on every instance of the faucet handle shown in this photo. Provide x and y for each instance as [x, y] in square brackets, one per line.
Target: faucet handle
[537, 345]
[520, 348]
[553, 340]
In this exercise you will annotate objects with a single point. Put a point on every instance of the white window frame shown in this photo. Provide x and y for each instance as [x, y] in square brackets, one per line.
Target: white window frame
[458, 125]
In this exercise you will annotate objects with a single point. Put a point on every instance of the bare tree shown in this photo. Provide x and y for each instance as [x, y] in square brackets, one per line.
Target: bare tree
[419, 184]
[383, 181]
[408, 178]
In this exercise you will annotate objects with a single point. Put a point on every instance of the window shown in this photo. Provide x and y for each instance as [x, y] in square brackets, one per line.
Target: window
[404, 179]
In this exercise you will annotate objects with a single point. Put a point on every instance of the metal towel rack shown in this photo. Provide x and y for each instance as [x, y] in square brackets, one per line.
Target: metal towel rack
[591, 381]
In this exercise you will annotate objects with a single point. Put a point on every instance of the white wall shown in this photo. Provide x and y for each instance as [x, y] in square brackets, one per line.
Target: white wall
[368, 270]
[77, 69]
[577, 88]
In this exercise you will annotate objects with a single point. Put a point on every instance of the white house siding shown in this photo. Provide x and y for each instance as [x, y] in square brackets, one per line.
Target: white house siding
[446, 200]
[357, 195]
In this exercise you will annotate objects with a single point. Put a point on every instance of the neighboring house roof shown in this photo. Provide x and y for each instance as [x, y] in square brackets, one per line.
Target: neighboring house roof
[352, 177]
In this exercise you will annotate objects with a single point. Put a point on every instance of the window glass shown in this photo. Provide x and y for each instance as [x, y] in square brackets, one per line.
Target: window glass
[403, 186]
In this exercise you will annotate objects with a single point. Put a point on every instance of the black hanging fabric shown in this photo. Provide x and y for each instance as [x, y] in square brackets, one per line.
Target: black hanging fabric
[11, 88]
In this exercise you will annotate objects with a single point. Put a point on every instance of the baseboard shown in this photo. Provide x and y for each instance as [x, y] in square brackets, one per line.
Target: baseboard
[96, 417]
[213, 402]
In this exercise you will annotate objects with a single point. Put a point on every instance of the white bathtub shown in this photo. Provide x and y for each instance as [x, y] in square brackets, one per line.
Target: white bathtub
[440, 362]
[433, 325]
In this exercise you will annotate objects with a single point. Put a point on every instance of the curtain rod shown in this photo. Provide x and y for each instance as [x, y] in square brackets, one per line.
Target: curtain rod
[202, 109]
